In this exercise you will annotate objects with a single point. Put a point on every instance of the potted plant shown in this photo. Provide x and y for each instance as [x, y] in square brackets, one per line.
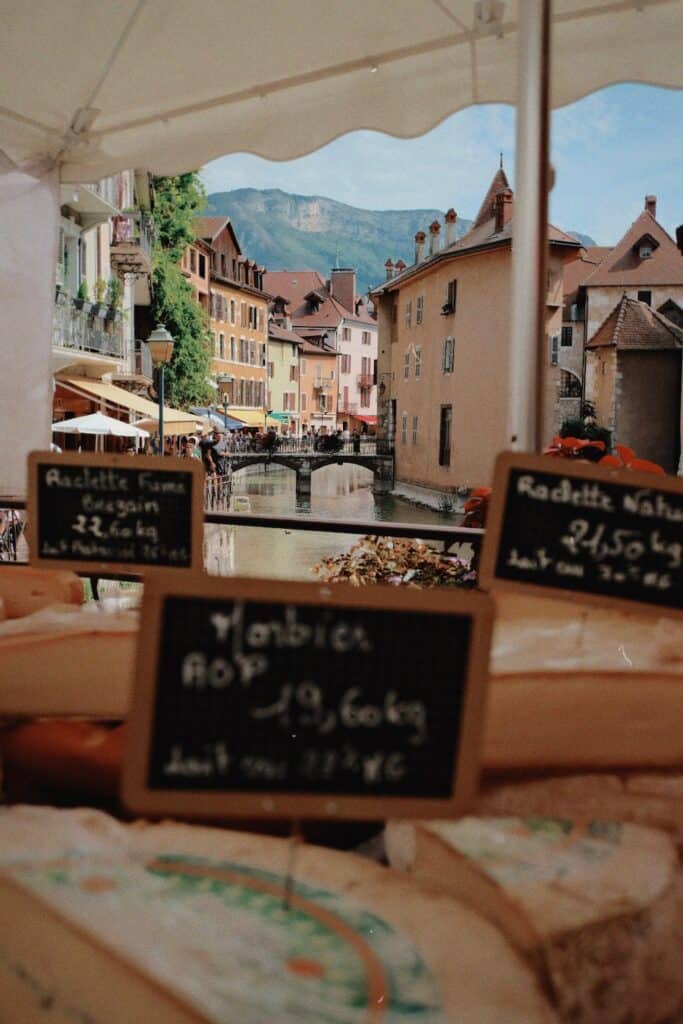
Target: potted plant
[99, 305]
[114, 298]
[61, 295]
[82, 297]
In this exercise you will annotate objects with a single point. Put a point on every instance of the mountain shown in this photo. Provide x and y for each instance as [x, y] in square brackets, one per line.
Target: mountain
[584, 239]
[290, 232]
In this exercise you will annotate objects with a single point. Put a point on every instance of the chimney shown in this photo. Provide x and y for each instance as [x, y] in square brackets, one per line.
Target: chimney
[420, 239]
[503, 209]
[400, 267]
[287, 322]
[651, 205]
[389, 267]
[343, 286]
[434, 240]
[451, 221]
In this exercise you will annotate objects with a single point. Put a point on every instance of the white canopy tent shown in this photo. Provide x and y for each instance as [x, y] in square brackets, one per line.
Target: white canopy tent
[99, 424]
[88, 88]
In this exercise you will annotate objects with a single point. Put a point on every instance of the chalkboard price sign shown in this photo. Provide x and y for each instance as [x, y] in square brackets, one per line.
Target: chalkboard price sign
[295, 700]
[610, 535]
[114, 512]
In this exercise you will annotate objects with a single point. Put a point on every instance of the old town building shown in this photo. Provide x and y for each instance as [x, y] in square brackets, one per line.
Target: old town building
[444, 367]
[282, 396]
[330, 313]
[238, 314]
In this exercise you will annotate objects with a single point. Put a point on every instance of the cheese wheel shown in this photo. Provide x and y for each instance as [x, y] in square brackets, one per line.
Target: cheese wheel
[593, 905]
[64, 660]
[574, 687]
[186, 925]
[24, 590]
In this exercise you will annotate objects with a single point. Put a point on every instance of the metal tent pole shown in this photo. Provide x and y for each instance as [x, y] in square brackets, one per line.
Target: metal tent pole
[528, 355]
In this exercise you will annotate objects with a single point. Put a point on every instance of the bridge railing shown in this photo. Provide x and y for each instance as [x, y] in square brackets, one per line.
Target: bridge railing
[325, 445]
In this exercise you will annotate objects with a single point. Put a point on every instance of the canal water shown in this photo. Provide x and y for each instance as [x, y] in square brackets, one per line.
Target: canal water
[338, 492]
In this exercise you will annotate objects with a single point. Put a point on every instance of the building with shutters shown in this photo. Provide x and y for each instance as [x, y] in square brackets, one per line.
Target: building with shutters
[238, 316]
[282, 395]
[443, 360]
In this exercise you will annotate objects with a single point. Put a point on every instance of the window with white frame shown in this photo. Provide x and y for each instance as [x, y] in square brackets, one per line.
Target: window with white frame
[404, 428]
[448, 355]
[418, 363]
[406, 364]
[419, 309]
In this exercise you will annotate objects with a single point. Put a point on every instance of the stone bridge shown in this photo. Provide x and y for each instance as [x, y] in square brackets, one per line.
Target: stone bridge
[305, 464]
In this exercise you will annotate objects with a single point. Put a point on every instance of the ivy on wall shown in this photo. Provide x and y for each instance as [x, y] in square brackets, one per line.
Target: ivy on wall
[177, 201]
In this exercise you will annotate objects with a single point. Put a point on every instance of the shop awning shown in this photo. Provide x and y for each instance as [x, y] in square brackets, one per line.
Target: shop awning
[371, 421]
[218, 419]
[252, 417]
[279, 417]
[112, 395]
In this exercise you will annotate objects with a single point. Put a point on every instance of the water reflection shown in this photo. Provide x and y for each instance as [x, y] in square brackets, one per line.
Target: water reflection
[338, 492]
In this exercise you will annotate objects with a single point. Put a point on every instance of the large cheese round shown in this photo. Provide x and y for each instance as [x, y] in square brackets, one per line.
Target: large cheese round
[187, 924]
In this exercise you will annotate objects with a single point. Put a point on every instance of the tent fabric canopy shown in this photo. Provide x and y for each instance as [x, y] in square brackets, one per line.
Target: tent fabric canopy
[399, 68]
[112, 395]
[97, 423]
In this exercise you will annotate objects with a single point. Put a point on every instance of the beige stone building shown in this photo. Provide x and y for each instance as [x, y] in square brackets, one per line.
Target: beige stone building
[443, 363]
[282, 395]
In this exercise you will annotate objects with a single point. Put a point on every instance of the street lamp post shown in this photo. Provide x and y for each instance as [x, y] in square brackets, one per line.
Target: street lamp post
[160, 344]
[225, 379]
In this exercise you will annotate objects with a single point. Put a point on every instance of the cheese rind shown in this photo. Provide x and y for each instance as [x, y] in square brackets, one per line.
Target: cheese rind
[592, 905]
[24, 590]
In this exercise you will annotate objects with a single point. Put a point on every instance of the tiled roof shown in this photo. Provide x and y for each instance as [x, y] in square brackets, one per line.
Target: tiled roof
[623, 266]
[308, 348]
[635, 325]
[487, 210]
[578, 271]
[282, 334]
[208, 227]
[294, 285]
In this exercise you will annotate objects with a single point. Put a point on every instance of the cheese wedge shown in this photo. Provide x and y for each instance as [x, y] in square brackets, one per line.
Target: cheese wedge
[189, 925]
[577, 687]
[593, 905]
[63, 660]
[24, 590]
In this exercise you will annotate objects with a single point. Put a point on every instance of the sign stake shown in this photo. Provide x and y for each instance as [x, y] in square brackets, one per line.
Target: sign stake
[295, 838]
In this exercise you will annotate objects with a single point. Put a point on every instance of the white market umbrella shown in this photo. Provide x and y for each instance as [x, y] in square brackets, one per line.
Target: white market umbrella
[100, 425]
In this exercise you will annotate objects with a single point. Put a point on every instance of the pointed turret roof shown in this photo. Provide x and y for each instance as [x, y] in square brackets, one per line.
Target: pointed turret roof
[487, 210]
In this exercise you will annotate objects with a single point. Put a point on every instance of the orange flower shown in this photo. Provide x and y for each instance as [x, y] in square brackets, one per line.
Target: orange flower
[627, 459]
[572, 447]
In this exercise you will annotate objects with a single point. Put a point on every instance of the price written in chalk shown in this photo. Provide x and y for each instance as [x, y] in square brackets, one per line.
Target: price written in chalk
[278, 696]
[123, 511]
[600, 535]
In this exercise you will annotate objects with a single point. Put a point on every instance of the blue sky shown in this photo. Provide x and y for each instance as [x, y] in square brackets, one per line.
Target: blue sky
[609, 150]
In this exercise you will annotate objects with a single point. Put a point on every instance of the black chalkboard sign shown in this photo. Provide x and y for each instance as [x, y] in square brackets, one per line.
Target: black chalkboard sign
[609, 535]
[296, 700]
[98, 512]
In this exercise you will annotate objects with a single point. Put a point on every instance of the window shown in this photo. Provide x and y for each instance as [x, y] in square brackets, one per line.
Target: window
[331, 374]
[302, 366]
[414, 429]
[261, 319]
[221, 346]
[244, 351]
[232, 347]
[202, 265]
[567, 340]
[448, 355]
[554, 350]
[271, 369]
[409, 313]
[346, 334]
[404, 427]
[570, 385]
[292, 373]
[418, 363]
[366, 337]
[451, 298]
[193, 261]
[304, 401]
[365, 398]
[243, 314]
[262, 353]
[232, 311]
[406, 364]
[346, 364]
[419, 309]
[645, 250]
[645, 296]
[345, 399]
[445, 423]
[252, 353]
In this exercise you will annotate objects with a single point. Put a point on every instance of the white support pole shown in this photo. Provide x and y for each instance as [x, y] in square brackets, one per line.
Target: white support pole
[29, 214]
[532, 173]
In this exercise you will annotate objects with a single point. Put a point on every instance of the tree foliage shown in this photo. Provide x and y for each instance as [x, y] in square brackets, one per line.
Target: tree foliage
[177, 201]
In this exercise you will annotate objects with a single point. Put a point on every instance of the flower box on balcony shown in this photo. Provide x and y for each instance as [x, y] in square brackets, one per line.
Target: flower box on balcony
[83, 305]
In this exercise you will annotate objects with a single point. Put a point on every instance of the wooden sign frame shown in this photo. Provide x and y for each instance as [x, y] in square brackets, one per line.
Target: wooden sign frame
[118, 461]
[508, 461]
[186, 803]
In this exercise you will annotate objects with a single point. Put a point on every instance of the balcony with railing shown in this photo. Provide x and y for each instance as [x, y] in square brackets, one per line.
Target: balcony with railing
[350, 408]
[321, 383]
[366, 380]
[79, 329]
[131, 244]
